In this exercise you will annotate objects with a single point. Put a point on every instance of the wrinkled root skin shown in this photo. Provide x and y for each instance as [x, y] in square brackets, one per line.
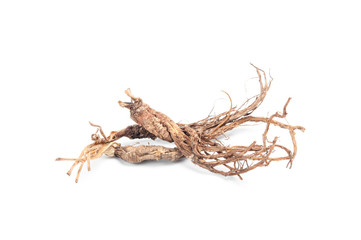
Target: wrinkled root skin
[138, 154]
[197, 141]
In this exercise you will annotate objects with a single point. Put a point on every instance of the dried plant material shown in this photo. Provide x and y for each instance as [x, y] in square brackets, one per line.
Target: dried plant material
[141, 153]
[197, 141]
[90, 152]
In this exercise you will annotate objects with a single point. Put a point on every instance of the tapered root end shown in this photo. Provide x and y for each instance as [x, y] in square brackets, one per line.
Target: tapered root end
[128, 104]
[129, 94]
[254, 66]
[124, 104]
[67, 159]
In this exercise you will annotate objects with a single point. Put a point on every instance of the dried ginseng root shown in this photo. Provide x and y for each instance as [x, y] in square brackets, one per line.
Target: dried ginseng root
[197, 141]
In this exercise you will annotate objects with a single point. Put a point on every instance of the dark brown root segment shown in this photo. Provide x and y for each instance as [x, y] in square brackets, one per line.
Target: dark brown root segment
[132, 132]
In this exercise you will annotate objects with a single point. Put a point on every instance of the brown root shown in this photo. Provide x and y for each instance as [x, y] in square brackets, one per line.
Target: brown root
[239, 159]
[141, 153]
[197, 141]
[132, 154]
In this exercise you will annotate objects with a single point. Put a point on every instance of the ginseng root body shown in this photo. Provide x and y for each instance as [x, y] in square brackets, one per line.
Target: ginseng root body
[197, 141]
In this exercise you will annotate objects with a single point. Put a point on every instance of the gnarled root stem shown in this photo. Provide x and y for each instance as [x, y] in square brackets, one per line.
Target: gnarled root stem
[141, 153]
[133, 154]
[197, 141]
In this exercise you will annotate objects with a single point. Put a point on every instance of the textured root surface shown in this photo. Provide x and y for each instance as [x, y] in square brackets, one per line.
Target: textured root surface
[197, 141]
[137, 154]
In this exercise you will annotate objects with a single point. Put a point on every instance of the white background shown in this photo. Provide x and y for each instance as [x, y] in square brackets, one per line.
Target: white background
[63, 63]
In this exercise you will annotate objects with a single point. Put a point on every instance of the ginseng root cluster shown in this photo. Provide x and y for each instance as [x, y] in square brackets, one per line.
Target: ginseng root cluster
[196, 141]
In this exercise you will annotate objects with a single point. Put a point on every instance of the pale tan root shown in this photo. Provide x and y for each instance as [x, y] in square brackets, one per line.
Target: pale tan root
[137, 154]
[133, 154]
[90, 152]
